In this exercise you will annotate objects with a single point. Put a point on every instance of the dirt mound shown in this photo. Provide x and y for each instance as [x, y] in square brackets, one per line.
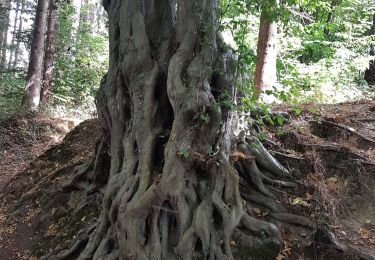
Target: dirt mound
[332, 148]
[23, 175]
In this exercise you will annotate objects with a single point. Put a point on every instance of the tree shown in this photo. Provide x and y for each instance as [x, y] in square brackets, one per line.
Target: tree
[5, 12]
[18, 34]
[265, 70]
[173, 170]
[370, 72]
[49, 51]
[17, 21]
[31, 98]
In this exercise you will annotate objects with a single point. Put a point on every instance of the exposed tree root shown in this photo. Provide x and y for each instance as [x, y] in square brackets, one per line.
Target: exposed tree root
[178, 185]
[77, 245]
[324, 125]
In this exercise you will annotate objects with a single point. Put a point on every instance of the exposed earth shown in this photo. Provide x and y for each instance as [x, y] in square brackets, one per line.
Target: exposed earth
[330, 148]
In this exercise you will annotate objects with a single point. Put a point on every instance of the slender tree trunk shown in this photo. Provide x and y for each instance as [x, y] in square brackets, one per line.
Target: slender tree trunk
[330, 16]
[19, 30]
[31, 98]
[4, 32]
[265, 70]
[17, 20]
[370, 72]
[49, 52]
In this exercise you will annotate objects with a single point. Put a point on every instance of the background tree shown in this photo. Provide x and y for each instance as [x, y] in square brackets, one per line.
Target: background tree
[31, 99]
[18, 37]
[5, 11]
[265, 70]
[49, 51]
[80, 58]
[370, 72]
[17, 20]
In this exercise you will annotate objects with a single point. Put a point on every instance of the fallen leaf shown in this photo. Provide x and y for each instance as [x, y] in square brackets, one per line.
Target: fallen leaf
[367, 221]
[332, 179]
[257, 211]
[296, 201]
[364, 233]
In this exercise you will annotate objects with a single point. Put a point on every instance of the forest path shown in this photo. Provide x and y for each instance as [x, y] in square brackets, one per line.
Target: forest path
[21, 141]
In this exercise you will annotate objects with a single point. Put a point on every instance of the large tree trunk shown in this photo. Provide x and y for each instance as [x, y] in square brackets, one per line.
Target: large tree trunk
[31, 98]
[49, 52]
[172, 184]
[179, 180]
[162, 194]
[265, 70]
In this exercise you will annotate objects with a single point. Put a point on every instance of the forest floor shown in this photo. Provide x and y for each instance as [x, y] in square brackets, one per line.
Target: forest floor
[331, 148]
[22, 141]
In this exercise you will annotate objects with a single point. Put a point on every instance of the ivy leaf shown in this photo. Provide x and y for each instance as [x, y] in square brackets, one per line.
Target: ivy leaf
[184, 152]
[280, 120]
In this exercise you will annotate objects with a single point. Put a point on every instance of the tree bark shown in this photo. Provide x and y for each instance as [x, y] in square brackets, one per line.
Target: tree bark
[370, 72]
[17, 20]
[172, 187]
[265, 70]
[49, 52]
[31, 98]
[19, 30]
[4, 33]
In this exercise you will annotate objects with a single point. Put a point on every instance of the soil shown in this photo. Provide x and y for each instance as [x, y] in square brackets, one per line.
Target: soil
[330, 148]
[22, 140]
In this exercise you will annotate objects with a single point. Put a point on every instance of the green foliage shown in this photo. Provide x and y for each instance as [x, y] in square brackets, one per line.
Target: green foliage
[323, 47]
[81, 59]
[184, 152]
[11, 91]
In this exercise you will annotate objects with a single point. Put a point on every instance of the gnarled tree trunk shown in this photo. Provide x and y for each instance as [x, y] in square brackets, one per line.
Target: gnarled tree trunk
[162, 194]
[172, 184]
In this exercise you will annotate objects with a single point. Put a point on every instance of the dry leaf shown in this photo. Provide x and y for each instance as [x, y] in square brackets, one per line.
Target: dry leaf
[367, 221]
[332, 179]
[257, 211]
[296, 201]
[364, 233]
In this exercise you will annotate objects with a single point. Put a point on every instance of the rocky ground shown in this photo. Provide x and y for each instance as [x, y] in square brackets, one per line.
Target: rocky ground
[330, 148]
